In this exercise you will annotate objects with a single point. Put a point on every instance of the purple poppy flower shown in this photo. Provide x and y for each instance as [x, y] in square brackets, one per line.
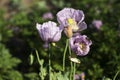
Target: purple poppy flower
[80, 44]
[47, 15]
[49, 32]
[82, 75]
[76, 77]
[79, 76]
[69, 17]
[97, 24]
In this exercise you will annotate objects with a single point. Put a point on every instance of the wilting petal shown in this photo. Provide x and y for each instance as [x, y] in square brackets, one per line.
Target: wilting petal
[80, 44]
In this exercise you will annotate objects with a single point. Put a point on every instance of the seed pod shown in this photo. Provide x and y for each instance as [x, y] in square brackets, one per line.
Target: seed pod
[68, 31]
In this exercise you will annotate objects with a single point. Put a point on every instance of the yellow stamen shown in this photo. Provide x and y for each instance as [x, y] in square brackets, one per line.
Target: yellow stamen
[72, 23]
[81, 46]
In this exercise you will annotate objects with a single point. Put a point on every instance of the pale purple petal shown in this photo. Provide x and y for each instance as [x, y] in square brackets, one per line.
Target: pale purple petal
[47, 15]
[79, 76]
[49, 32]
[82, 26]
[45, 32]
[62, 17]
[38, 26]
[97, 23]
[41, 32]
[57, 36]
[80, 44]
[79, 16]
[55, 32]
[67, 13]
[76, 15]
[76, 77]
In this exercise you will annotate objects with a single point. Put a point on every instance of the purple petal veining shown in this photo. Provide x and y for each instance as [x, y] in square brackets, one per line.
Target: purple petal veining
[70, 17]
[80, 44]
[49, 32]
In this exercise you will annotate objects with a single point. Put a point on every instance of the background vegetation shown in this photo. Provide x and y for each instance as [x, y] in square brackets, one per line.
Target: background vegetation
[19, 38]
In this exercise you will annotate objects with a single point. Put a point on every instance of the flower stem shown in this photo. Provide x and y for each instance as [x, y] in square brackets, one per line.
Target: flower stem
[74, 69]
[71, 64]
[39, 61]
[38, 58]
[64, 54]
[116, 75]
[49, 56]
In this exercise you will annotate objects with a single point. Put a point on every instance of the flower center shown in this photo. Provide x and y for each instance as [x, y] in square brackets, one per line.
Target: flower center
[82, 46]
[73, 24]
[71, 21]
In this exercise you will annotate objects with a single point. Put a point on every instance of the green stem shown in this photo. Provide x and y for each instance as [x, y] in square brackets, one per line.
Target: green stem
[38, 58]
[64, 54]
[49, 56]
[74, 69]
[116, 75]
[71, 70]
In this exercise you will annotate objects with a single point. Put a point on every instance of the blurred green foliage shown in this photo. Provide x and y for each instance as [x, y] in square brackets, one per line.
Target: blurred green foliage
[19, 37]
[7, 65]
